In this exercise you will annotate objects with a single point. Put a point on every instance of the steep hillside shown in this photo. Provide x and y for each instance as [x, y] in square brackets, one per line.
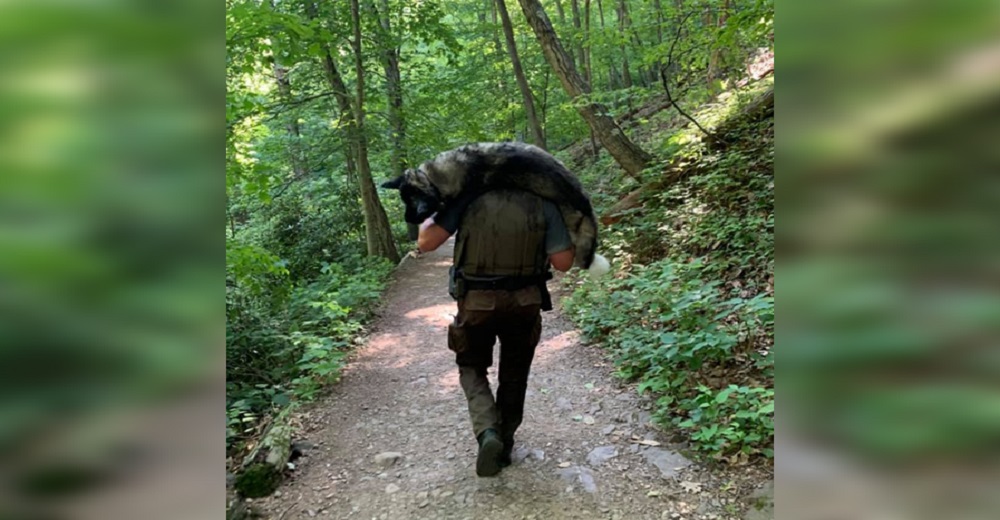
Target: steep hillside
[688, 313]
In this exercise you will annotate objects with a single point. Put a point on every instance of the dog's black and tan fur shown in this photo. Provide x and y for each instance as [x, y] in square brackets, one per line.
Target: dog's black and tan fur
[480, 167]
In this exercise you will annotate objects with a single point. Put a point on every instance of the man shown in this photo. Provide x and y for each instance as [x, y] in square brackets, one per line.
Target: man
[506, 242]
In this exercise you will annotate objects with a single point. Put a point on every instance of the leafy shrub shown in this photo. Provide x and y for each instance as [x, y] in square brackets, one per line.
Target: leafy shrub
[689, 317]
[326, 315]
[739, 417]
[681, 338]
[304, 228]
[291, 349]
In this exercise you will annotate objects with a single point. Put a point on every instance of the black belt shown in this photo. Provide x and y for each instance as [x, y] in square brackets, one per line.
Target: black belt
[507, 283]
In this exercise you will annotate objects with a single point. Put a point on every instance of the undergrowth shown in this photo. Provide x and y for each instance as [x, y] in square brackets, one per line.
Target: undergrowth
[689, 312]
[703, 354]
[292, 343]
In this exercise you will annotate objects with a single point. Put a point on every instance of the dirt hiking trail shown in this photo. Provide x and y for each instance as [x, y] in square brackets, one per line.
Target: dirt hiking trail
[393, 440]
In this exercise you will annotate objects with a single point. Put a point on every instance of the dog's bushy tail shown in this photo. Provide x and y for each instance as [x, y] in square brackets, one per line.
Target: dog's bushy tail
[599, 267]
[582, 230]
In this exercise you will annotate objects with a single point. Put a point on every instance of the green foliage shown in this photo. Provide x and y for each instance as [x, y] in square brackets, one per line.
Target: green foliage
[299, 288]
[327, 315]
[679, 335]
[726, 212]
[734, 418]
[690, 315]
[254, 268]
[293, 349]
[719, 208]
[308, 225]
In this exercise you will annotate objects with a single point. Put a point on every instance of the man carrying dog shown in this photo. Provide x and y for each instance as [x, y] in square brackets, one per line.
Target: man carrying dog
[506, 242]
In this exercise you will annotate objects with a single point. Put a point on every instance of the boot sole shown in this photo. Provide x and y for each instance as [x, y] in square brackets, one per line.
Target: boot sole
[486, 462]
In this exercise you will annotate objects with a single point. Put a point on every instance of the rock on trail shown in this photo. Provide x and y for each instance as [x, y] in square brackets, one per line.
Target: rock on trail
[392, 439]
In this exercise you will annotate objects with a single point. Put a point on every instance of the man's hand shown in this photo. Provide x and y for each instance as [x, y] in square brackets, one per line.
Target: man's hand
[563, 260]
[431, 236]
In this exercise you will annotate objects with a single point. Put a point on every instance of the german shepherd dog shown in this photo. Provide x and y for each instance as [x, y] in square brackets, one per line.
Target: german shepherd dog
[480, 167]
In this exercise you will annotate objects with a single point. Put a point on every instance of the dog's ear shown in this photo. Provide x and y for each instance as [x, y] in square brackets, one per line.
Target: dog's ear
[394, 184]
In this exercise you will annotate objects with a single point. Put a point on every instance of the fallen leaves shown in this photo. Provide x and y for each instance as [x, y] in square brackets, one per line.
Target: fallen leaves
[691, 487]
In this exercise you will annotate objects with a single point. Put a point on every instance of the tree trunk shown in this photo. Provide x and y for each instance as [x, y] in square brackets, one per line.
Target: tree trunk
[394, 92]
[562, 14]
[716, 57]
[659, 21]
[587, 69]
[614, 78]
[496, 43]
[285, 91]
[545, 96]
[631, 158]
[275, 446]
[345, 105]
[636, 43]
[377, 229]
[575, 4]
[707, 23]
[659, 38]
[626, 73]
[562, 17]
[343, 98]
[299, 169]
[522, 83]
[611, 66]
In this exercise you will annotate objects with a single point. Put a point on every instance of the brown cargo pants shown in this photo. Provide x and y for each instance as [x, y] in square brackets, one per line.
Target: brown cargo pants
[484, 316]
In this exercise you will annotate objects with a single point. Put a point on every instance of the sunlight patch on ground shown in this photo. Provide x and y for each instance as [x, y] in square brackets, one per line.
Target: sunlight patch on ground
[434, 315]
[566, 339]
[447, 384]
[380, 342]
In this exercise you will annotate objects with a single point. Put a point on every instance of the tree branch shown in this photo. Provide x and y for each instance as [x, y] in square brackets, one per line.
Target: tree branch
[666, 84]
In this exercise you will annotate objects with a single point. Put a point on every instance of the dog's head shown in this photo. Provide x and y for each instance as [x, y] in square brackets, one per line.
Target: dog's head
[419, 196]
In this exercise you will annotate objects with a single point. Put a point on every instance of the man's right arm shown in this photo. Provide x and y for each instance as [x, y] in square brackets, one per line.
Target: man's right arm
[558, 244]
[431, 236]
[563, 260]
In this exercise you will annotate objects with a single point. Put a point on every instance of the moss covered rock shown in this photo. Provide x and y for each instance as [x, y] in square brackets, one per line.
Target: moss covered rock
[259, 480]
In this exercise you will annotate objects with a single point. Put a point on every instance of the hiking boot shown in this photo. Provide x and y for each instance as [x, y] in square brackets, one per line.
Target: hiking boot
[490, 446]
[504, 459]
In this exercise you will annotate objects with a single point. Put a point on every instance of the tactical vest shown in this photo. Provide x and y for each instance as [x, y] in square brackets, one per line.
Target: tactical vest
[502, 234]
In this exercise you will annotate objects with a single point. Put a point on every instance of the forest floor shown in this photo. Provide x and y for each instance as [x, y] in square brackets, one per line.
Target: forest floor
[586, 449]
